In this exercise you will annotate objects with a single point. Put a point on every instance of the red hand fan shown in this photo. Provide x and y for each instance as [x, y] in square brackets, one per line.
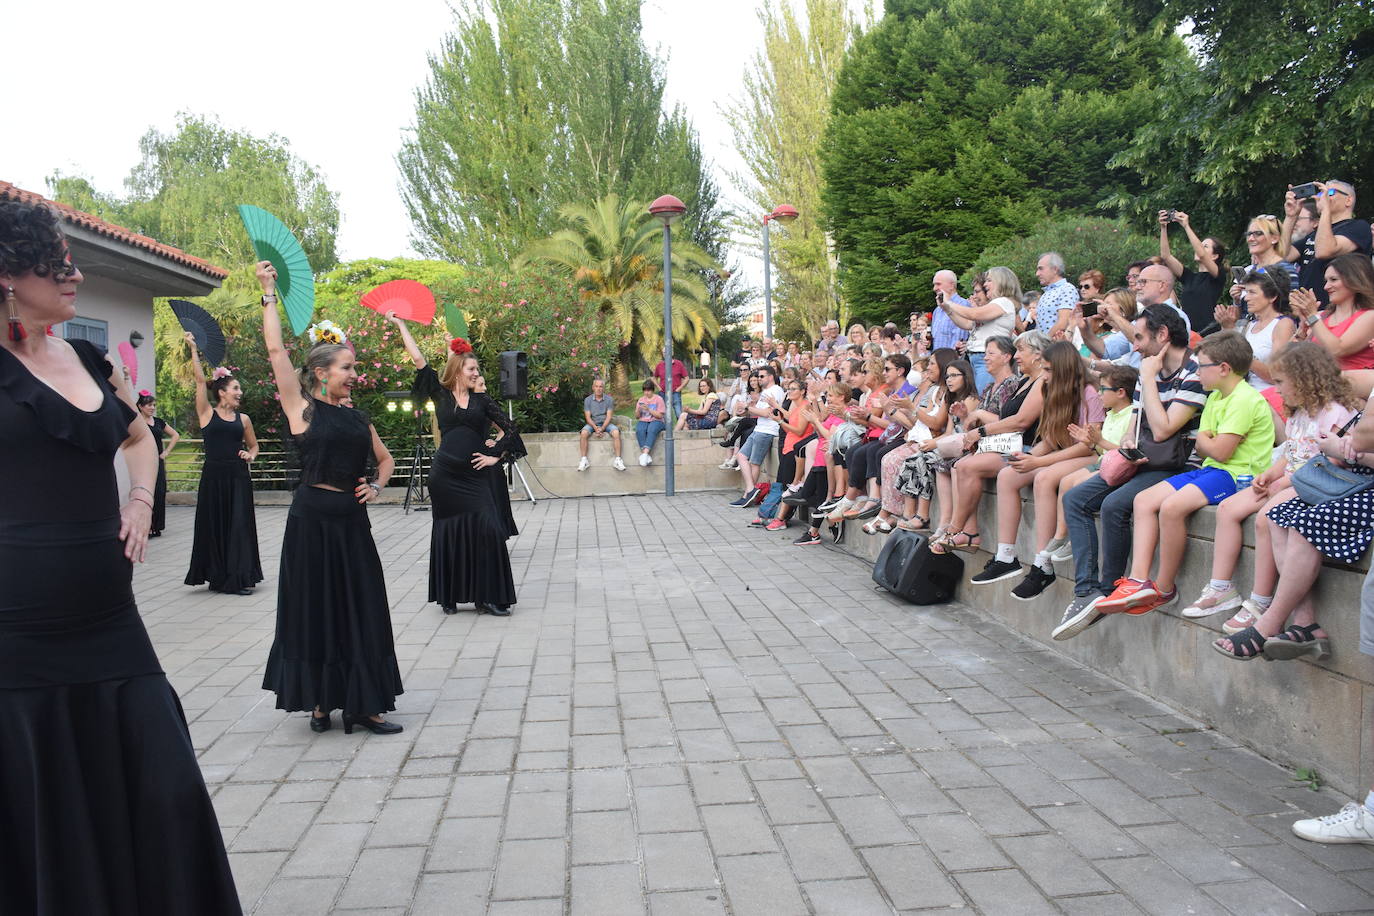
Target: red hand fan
[410, 300]
[130, 360]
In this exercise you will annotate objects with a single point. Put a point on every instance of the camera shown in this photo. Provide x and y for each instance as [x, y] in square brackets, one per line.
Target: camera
[1171, 215]
[1090, 307]
[1303, 191]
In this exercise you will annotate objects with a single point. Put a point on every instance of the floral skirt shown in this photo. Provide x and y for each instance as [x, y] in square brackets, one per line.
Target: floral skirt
[892, 463]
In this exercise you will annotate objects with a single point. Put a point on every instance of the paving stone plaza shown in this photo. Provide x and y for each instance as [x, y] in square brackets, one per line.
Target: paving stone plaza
[684, 716]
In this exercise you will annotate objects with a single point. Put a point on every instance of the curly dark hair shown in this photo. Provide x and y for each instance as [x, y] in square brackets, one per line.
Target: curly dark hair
[31, 240]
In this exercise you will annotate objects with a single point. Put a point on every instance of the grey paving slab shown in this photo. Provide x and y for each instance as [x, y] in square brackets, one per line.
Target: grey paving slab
[693, 743]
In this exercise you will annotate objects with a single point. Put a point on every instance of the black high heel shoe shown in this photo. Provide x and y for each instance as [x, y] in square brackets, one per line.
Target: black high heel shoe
[377, 728]
[320, 723]
[449, 608]
[495, 610]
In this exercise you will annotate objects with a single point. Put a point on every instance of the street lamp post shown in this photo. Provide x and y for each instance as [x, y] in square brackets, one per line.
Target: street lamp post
[783, 213]
[668, 209]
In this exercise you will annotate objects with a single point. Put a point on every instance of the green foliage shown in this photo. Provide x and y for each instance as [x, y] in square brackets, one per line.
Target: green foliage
[1087, 243]
[534, 104]
[186, 189]
[613, 253]
[1308, 777]
[777, 126]
[1278, 94]
[958, 125]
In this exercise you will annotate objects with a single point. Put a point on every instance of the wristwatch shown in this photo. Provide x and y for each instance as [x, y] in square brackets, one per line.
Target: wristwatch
[1312, 319]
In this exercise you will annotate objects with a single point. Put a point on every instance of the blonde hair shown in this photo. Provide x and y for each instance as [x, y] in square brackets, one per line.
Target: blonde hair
[1004, 283]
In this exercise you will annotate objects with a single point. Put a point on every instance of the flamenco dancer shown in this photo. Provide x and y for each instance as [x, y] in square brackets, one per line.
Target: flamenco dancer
[160, 428]
[468, 560]
[224, 553]
[496, 475]
[102, 803]
[333, 647]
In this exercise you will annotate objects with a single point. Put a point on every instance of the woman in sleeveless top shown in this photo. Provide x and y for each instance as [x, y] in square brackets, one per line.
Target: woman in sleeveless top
[102, 803]
[1346, 327]
[160, 429]
[333, 647]
[225, 550]
[1270, 326]
[468, 559]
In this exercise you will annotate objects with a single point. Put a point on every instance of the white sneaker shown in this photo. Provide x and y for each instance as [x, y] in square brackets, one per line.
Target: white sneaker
[648, 459]
[642, 458]
[583, 464]
[1063, 554]
[617, 463]
[1212, 602]
[840, 508]
[1352, 824]
[729, 465]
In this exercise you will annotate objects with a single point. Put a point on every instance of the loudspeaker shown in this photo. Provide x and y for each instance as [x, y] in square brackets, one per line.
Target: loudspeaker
[907, 568]
[515, 375]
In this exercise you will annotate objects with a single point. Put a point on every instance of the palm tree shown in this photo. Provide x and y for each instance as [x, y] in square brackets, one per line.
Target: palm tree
[613, 252]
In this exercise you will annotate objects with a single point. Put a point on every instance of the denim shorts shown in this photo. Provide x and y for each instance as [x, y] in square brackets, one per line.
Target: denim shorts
[589, 430]
[1215, 483]
[755, 448]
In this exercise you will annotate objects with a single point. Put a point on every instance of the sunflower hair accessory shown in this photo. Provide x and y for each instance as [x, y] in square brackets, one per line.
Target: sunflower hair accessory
[459, 346]
[220, 373]
[326, 332]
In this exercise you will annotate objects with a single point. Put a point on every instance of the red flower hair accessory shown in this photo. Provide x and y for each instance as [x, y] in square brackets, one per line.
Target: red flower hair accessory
[458, 346]
[145, 393]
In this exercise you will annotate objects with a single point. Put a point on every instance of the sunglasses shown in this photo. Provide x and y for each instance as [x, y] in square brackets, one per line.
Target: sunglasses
[1086, 286]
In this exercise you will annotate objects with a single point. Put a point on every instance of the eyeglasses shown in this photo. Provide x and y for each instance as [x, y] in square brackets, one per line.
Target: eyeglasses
[1255, 234]
[954, 375]
[1202, 365]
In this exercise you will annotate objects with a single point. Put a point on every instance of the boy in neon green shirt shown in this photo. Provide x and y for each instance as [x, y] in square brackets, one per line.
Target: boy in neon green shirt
[1235, 437]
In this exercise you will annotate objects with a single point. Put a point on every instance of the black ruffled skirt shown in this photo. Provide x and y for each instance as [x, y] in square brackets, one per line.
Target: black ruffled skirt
[333, 647]
[468, 560]
[102, 806]
[224, 553]
[160, 498]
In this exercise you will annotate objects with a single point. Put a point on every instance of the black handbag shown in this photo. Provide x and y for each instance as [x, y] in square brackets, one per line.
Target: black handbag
[1169, 455]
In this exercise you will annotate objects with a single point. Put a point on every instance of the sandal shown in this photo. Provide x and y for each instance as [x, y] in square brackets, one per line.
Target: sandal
[1246, 644]
[971, 543]
[910, 524]
[1295, 642]
[864, 507]
[878, 526]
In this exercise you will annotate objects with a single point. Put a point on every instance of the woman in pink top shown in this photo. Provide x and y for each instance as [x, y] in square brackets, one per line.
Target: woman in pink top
[1346, 327]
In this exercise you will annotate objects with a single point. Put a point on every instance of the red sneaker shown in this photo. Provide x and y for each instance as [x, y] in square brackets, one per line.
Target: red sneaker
[1154, 603]
[776, 524]
[1128, 593]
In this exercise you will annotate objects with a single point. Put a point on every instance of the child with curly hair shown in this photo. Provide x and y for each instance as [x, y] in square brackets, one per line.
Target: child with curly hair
[1319, 400]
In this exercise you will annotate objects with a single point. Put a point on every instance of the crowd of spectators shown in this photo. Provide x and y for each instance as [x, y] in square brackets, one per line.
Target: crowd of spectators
[1181, 387]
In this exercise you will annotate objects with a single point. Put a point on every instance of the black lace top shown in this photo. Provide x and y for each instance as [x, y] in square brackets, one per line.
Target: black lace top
[335, 448]
[479, 416]
[57, 457]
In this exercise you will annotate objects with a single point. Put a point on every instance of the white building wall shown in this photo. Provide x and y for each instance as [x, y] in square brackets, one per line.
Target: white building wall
[125, 309]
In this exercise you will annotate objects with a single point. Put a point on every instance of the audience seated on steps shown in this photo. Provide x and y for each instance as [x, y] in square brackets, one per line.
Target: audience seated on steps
[598, 412]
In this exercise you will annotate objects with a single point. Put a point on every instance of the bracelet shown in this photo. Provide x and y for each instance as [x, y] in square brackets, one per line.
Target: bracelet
[137, 487]
[269, 298]
[376, 487]
[139, 499]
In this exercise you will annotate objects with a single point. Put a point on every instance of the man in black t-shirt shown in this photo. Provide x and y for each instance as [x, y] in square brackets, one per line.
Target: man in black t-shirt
[1337, 233]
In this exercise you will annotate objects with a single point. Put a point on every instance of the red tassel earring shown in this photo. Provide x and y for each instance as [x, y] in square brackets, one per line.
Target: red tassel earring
[17, 332]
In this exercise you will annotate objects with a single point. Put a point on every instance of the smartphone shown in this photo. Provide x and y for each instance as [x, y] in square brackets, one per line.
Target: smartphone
[1172, 216]
[1346, 428]
[1309, 189]
[1238, 274]
[939, 297]
[1131, 454]
[1090, 307]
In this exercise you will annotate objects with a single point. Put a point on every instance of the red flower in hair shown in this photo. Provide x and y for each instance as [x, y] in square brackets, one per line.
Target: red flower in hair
[459, 346]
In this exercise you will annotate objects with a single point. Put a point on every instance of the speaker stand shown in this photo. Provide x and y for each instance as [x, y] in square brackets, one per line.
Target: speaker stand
[513, 469]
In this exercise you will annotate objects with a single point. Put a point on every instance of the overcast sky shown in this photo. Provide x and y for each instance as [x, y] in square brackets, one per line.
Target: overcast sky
[336, 79]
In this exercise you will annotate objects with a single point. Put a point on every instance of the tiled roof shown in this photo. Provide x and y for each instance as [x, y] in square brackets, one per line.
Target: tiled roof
[111, 231]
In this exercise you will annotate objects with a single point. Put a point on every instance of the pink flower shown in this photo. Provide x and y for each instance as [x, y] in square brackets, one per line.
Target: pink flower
[524, 302]
[507, 305]
[504, 284]
[539, 395]
[379, 365]
[584, 365]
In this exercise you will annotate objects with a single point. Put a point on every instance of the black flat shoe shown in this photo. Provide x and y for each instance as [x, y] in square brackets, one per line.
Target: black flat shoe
[495, 610]
[449, 608]
[320, 723]
[377, 728]
[154, 534]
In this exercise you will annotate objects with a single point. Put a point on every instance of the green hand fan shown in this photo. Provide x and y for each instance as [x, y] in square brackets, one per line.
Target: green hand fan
[272, 241]
[455, 321]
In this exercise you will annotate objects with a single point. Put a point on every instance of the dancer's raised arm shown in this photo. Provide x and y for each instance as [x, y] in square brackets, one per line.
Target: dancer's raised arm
[203, 405]
[283, 373]
[412, 348]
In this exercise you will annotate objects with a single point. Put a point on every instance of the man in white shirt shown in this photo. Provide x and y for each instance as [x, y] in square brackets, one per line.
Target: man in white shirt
[755, 450]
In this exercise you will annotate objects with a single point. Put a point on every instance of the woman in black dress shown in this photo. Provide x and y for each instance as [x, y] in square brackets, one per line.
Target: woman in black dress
[225, 550]
[468, 560]
[160, 428]
[496, 474]
[102, 806]
[333, 648]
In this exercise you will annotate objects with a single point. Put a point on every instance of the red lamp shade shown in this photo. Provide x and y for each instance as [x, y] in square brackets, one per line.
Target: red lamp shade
[784, 213]
[667, 208]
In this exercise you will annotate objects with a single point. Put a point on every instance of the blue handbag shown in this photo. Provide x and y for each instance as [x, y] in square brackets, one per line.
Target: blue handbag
[1321, 480]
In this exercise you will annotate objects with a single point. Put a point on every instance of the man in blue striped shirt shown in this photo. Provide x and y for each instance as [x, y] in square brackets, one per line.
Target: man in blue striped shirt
[943, 331]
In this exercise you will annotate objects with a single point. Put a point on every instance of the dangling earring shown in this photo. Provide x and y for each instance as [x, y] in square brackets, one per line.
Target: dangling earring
[324, 392]
[17, 332]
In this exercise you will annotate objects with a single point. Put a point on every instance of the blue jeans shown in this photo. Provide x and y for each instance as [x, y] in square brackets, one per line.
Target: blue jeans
[1116, 505]
[982, 378]
[677, 404]
[647, 432]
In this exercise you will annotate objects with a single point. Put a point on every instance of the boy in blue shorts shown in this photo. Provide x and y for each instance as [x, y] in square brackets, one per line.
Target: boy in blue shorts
[1235, 437]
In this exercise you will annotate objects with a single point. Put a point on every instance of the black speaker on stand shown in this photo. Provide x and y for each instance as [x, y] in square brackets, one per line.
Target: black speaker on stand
[515, 385]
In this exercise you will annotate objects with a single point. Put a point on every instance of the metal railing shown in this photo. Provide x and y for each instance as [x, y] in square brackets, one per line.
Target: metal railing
[275, 464]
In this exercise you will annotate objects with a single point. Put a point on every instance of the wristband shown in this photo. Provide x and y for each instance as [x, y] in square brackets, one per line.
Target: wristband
[138, 487]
